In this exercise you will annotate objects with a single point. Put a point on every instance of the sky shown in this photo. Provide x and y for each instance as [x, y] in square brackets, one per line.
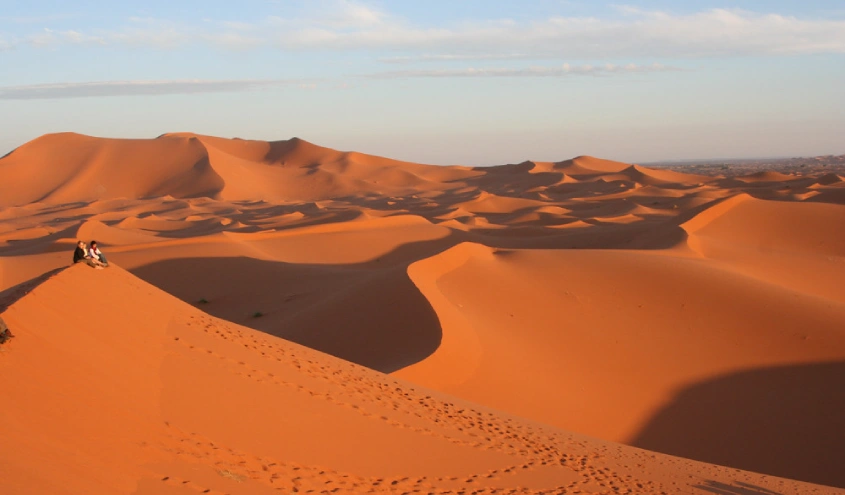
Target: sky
[472, 82]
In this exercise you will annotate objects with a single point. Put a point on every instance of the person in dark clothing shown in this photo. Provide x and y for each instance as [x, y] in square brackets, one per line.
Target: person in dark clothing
[79, 252]
[80, 256]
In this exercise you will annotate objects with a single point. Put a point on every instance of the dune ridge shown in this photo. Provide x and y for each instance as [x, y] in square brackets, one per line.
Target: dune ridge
[185, 165]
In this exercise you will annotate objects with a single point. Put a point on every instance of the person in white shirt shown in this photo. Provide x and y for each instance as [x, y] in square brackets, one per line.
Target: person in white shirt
[96, 255]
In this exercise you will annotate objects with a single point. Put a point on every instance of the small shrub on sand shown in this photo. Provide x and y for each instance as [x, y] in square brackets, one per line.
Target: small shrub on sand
[232, 476]
[5, 333]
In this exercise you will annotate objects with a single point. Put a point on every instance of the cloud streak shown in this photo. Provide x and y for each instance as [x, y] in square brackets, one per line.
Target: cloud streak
[565, 70]
[346, 25]
[139, 88]
[97, 89]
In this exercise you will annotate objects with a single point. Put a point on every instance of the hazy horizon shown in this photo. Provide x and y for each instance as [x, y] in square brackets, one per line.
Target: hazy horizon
[473, 83]
[674, 161]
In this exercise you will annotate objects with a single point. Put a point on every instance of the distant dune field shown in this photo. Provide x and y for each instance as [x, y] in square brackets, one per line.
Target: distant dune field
[287, 318]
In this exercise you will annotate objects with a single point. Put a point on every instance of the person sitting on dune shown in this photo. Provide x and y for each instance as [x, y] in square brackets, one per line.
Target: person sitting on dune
[80, 255]
[95, 254]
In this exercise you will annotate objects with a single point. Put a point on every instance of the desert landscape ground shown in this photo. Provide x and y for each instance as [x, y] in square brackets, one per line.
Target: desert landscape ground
[794, 166]
[286, 318]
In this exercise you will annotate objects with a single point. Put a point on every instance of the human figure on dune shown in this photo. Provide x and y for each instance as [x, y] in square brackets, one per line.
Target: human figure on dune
[95, 254]
[80, 255]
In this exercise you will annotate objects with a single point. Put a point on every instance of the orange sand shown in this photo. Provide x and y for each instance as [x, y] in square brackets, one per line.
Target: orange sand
[502, 319]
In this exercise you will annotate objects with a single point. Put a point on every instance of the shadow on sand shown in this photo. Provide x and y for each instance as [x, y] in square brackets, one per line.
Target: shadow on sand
[369, 313]
[13, 294]
[786, 421]
[737, 488]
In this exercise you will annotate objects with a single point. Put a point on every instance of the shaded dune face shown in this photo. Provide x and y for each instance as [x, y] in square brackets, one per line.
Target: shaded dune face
[695, 316]
[65, 168]
[758, 420]
[336, 310]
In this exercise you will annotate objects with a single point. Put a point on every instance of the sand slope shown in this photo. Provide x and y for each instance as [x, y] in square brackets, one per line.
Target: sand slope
[562, 337]
[217, 408]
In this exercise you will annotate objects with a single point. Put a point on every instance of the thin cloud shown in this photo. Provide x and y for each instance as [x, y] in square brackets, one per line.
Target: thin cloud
[345, 25]
[453, 57]
[564, 70]
[97, 89]
[137, 88]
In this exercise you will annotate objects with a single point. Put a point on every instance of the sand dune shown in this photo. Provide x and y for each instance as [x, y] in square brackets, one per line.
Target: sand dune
[185, 165]
[770, 226]
[63, 168]
[494, 315]
[551, 335]
[642, 174]
[589, 165]
[796, 246]
[219, 408]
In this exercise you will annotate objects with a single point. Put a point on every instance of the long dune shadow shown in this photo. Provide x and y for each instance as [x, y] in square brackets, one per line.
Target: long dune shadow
[17, 292]
[368, 313]
[786, 421]
[14, 293]
[41, 244]
[735, 488]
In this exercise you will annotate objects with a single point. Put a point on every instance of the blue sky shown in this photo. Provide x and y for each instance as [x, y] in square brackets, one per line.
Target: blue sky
[471, 82]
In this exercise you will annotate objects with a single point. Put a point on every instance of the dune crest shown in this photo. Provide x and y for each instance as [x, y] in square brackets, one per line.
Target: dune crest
[184, 165]
[588, 165]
